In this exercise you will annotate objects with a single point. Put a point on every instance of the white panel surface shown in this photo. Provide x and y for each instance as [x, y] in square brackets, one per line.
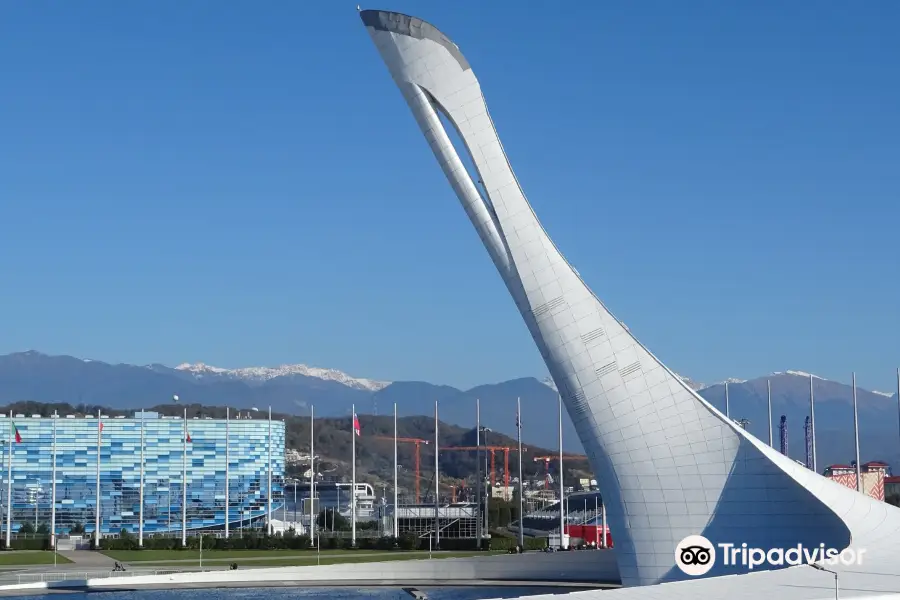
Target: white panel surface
[689, 469]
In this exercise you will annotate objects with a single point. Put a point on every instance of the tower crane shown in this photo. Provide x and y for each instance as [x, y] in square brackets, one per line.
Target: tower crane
[418, 442]
[548, 459]
[492, 449]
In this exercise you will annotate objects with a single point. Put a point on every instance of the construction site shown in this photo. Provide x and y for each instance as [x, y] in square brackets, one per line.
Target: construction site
[465, 490]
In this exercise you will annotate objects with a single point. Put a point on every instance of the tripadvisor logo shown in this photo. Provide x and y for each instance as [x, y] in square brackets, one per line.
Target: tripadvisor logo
[695, 555]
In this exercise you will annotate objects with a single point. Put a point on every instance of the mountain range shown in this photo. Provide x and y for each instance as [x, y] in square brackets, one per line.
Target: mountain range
[292, 389]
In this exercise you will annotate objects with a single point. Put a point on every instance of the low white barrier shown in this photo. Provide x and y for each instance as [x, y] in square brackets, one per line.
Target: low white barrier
[587, 566]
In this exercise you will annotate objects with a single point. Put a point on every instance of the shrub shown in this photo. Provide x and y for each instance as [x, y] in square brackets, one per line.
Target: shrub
[408, 541]
[386, 543]
[29, 544]
[457, 544]
[26, 527]
[502, 543]
[536, 543]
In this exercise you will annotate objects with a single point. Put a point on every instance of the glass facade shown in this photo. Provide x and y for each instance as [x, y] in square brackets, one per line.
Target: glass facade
[166, 457]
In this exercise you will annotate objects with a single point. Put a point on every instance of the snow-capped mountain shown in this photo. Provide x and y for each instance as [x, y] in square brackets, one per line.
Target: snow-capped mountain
[200, 370]
[694, 385]
[802, 374]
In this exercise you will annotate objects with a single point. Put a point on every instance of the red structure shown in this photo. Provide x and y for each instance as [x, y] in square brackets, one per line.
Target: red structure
[590, 534]
[418, 444]
[492, 449]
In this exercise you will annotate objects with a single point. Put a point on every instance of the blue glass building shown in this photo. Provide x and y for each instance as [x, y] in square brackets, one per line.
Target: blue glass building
[120, 471]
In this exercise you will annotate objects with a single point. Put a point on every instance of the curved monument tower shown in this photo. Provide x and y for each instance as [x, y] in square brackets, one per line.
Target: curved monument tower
[668, 463]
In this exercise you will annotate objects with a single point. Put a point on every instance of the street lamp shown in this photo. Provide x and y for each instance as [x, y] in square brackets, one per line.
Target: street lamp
[488, 488]
[819, 567]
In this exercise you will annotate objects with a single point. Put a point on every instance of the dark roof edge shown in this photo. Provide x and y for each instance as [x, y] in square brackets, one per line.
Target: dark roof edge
[399, 23]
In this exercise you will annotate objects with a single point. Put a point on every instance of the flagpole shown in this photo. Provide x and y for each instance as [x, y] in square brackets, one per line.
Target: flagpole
[769, 392]
[141, 492]
[184, 482]
[227, 478]
[53, 489]
[353, 479]
[859, 485]
[437, 481]
[269, 527]
[396, 493]
[9, 486]
[812, 422]
[312, 476]
[727, 407]
[562, 489]
[98, 509]
[521, 483]
[898, 396]
[480, 527]
[603, 522]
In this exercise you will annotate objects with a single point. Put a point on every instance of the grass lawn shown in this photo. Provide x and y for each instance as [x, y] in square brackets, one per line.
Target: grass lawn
[309, 558]
[29, 557]
[270, 557]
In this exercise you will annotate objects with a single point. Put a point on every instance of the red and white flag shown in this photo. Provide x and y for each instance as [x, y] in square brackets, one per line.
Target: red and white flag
[188, 438]
[356, 428]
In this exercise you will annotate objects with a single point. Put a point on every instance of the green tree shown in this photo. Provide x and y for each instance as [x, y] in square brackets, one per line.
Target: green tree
[76, 529]
[330, 519]
[43, 529]
[26, 527]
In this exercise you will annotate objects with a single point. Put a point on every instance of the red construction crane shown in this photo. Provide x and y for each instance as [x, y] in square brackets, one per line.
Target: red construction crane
[418, 442]
[492, 449]
[547, 460]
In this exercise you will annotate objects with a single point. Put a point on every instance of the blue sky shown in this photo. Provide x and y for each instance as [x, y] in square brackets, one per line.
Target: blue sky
[241, 183]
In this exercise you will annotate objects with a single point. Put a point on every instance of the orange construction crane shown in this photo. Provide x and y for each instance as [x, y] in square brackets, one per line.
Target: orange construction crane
[547, 460]
[418, 442]
[492, 449]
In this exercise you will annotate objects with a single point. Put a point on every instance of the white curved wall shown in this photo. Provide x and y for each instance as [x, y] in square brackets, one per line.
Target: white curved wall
[668, 463]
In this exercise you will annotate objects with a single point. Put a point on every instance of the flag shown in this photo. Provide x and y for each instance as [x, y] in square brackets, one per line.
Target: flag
[356, 428]
[101, 426]
[188, 439]
[18, 435]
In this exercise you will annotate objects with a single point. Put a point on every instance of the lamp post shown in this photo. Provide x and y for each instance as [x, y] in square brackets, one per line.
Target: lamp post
[478, 529]
[521, 483]
[488, 489]
[819, 567]
[562, 490]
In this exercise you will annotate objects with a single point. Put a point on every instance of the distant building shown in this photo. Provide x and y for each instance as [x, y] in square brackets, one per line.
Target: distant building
[873, 477]
[166, 458]
[891, 486]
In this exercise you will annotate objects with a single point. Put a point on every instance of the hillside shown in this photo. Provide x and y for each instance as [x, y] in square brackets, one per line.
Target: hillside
[292, 389]
[374, 455]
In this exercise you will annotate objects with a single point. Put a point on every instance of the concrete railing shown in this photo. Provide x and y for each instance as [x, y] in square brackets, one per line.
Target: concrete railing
[588, 566]
[57, 576]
